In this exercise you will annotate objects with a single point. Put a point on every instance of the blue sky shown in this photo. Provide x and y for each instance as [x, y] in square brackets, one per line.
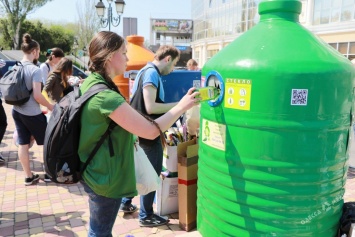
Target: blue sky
[66, 11]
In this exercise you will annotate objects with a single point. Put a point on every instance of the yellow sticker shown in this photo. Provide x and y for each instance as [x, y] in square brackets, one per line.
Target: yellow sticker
[214, 134]
[237, 94]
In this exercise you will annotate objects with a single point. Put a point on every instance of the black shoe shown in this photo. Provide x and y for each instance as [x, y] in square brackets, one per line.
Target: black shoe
[2, 160]
[46, 178]
[33, 179]
[128, 208]
[153, 220]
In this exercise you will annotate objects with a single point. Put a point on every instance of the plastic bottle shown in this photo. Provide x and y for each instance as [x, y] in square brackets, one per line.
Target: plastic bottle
[208, 93]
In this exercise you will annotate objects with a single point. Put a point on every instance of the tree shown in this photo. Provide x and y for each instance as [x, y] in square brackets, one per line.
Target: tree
[17, 11]
[49, 37]
[5, 40]
[88, 23]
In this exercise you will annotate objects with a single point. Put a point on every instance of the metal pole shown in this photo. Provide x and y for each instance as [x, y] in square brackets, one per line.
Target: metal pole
[109, 17]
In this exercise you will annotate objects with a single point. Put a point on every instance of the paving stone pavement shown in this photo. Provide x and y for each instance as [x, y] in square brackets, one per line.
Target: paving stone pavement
[49, 209]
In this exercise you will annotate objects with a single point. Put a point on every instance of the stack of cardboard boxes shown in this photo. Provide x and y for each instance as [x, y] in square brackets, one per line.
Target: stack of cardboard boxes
[187, 185]
[178, 191]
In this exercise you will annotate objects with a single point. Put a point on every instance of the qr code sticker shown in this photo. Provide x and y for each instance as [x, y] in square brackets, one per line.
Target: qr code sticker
[196, 83]
[299, 96]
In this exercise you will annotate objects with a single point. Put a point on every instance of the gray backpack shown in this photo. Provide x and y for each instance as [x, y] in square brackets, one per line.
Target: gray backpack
[13, 86]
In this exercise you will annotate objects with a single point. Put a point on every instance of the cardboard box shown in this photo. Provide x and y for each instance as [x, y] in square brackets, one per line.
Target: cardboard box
[167, 196]
[170, 159]
[187, 187]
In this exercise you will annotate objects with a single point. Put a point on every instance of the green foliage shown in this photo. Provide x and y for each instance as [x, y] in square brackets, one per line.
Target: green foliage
[13, 25]
[5, 40]
[17, 11]
[47, 36]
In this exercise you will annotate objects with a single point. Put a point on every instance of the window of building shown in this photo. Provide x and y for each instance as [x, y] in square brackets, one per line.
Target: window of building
[211, 53]
[224, 17]
[197, 56]
[345, 48]
[331, 11]
[334, 45]
[351, 54]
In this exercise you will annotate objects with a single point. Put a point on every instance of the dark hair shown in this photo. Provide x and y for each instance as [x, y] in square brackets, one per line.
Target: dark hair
[64, 68]
[57, 52]
[167, 50]
[28, 44]
[101, 47]
[191, 62]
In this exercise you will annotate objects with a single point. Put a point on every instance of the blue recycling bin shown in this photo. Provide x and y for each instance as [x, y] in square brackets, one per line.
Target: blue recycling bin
[177, 83]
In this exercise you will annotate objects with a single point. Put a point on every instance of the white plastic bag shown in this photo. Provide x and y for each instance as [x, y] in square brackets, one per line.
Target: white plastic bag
[147, 179]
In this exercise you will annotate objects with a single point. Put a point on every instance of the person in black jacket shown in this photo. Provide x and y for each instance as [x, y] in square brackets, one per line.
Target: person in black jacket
[3, 118]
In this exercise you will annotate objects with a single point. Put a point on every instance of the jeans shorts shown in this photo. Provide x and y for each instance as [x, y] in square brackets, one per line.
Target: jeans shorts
[28, 126]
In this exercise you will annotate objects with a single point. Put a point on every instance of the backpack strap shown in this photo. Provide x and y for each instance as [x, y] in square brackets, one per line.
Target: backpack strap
[87, 95]
[111, 126]
[91, 92]
[137, 102]
[48, 66]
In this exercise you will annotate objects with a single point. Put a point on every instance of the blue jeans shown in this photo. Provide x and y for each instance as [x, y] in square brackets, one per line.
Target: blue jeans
[103, 213]
[155, 155]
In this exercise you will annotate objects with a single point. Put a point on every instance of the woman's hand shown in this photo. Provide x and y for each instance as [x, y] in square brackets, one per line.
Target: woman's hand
[81, 80]
[190, 99]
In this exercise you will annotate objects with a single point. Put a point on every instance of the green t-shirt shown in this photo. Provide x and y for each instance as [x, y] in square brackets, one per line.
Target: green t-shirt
[112, 177]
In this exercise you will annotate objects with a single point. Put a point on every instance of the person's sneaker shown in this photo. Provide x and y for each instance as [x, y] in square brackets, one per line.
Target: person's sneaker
[33, 179]
[153, 220]
[2, 160]
[128, 208]
[46, 178]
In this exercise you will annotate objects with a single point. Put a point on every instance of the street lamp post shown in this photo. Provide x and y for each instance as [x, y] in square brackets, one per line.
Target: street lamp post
[75, 47]
[84, 51]
[115, 21]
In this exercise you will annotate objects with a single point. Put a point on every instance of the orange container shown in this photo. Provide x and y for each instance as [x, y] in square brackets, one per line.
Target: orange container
[138, 56]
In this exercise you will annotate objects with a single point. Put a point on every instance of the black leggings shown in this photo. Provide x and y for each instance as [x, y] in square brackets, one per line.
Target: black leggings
[3, 121]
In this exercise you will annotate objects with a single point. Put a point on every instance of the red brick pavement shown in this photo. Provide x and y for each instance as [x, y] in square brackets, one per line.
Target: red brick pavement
[48, 209]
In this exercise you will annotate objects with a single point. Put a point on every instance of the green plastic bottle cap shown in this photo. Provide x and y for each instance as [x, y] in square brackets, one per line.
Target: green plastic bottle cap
[268, 6]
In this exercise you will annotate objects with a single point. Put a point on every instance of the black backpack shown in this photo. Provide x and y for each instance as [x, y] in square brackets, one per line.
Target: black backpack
[347, 218]
[61, 142]
[13, 86]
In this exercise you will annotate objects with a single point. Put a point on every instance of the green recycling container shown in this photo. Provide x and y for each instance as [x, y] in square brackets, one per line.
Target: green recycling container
[273, 154]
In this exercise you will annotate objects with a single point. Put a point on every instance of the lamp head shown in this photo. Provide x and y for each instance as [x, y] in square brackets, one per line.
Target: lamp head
[119, 6]
[100, 9]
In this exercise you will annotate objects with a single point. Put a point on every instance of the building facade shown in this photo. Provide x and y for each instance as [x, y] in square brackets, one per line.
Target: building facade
[219, 22]
[177, 32]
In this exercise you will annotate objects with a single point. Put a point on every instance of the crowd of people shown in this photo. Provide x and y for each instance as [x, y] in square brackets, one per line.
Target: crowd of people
[110, 191]
[30, 122]
[110, 180]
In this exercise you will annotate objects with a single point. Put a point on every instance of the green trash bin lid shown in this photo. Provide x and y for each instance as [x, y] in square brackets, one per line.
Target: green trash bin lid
[294, 6]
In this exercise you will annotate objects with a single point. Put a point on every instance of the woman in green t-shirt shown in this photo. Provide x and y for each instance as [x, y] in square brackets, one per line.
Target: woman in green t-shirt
[109, 178]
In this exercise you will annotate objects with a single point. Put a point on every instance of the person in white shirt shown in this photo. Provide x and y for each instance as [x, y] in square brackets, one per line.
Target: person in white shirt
[53, 55]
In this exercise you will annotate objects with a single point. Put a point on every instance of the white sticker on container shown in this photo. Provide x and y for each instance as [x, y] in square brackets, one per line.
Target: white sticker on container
[214, 134]
[299, 96]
